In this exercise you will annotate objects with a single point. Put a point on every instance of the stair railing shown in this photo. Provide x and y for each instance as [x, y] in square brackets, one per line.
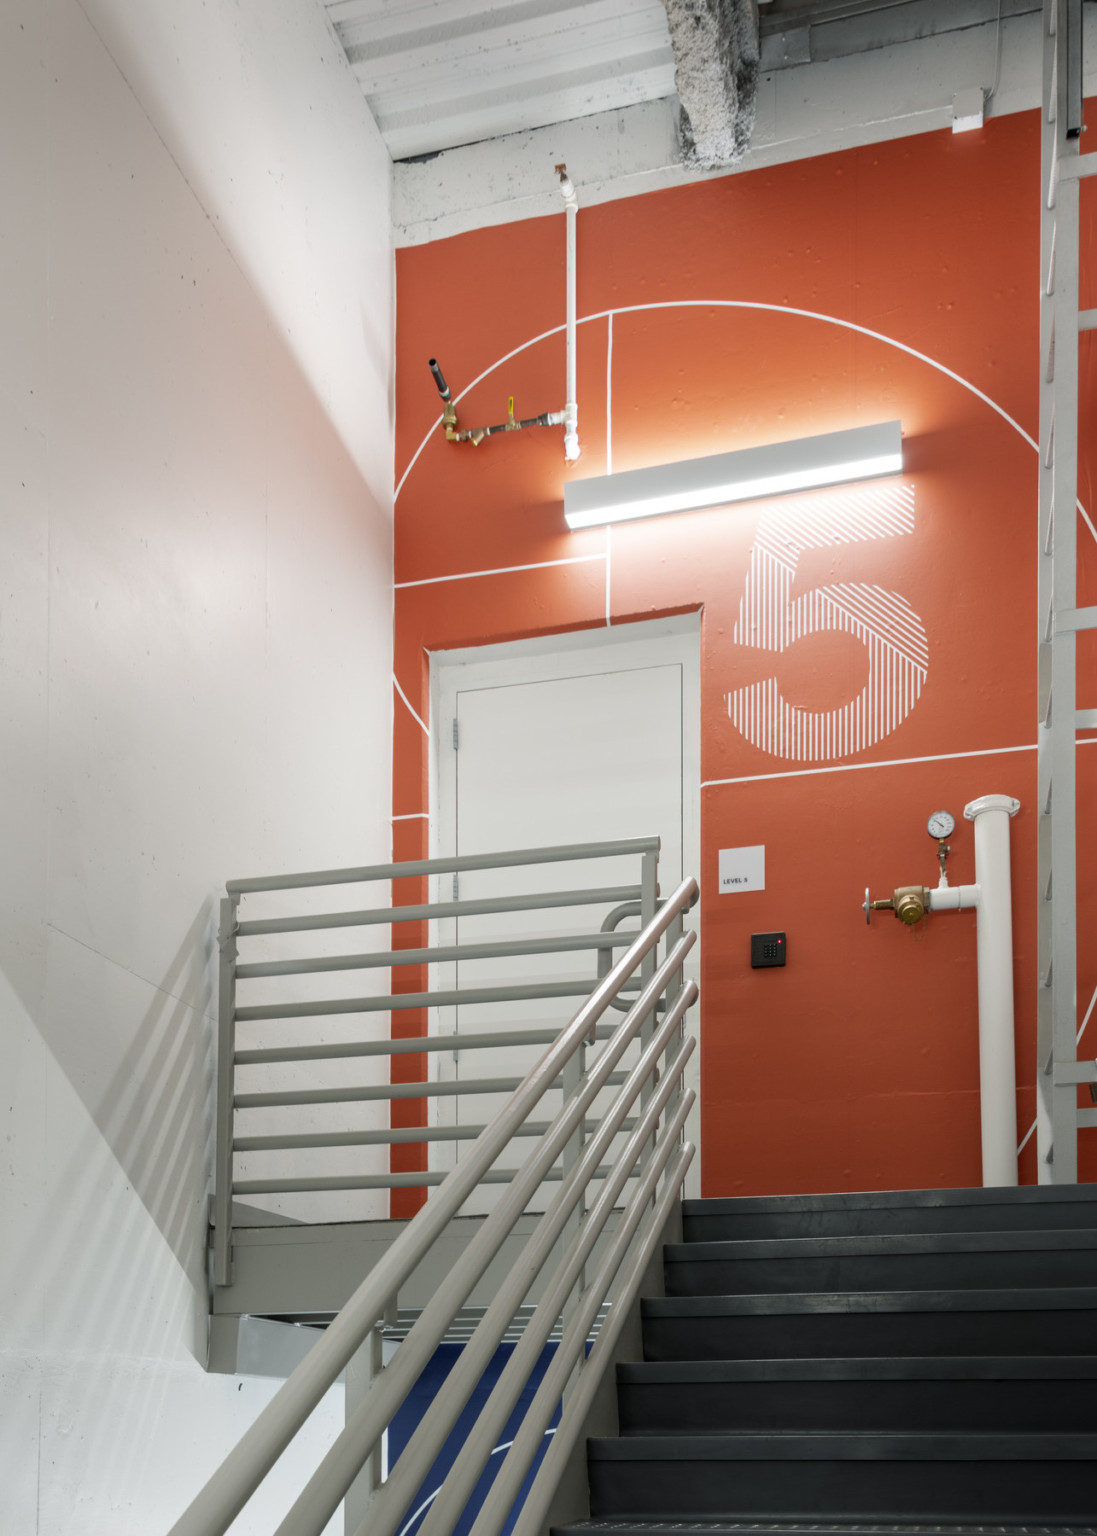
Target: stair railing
[647, 1105]
[243, 938]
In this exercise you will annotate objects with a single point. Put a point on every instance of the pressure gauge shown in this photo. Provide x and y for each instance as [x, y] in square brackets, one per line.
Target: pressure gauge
[940, 824]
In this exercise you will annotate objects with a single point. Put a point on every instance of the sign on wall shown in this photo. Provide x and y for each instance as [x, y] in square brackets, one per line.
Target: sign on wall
[743, 869]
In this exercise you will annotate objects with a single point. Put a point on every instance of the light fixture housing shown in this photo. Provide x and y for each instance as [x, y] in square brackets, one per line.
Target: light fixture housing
[834, 458]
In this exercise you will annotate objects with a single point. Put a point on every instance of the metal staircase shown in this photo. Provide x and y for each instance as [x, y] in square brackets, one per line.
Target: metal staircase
[1063, 167]
[583, 1157]
[862, 1364]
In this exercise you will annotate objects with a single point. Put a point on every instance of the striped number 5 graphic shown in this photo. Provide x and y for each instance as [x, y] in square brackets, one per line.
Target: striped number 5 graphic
[884, 622]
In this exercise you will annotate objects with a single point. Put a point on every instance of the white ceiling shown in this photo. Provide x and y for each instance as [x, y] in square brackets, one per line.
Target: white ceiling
[438, 74]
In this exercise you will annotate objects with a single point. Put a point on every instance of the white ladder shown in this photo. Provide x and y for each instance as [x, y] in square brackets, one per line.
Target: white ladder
[1062, 166]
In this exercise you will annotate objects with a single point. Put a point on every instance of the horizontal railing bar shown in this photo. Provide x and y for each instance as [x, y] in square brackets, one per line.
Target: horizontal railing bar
[386, 1181]
[411, 1045]
[226, 1492]
[532, 901]
[423, 1090]
[451, 997]
[443, 954]
[563, 854]
[390, 1135]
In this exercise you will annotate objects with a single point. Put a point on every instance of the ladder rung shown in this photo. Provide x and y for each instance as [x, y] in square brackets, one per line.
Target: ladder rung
[1076, 166]
[1085, 719]
[1086, 1118]
[1070, 1072]
[1087, 319]
[1071, 619]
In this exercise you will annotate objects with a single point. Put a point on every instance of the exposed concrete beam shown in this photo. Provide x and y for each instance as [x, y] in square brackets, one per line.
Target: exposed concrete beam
[715, 46]
[804, 110]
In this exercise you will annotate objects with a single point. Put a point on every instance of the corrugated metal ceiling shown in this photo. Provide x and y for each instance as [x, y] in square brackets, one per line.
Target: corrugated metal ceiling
[440, 73]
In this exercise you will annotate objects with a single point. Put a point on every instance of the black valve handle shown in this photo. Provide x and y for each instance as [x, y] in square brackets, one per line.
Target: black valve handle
[443, 387]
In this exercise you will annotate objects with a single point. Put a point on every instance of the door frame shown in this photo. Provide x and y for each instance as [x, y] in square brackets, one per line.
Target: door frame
[619, 647]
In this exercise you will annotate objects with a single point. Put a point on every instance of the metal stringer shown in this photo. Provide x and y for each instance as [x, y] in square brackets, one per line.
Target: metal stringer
[1060, 619]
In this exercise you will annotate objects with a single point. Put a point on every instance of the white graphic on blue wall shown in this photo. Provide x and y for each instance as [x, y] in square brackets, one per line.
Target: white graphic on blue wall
[884, 622]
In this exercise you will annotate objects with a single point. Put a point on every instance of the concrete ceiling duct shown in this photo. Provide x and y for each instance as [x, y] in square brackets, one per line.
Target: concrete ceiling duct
[716, 72]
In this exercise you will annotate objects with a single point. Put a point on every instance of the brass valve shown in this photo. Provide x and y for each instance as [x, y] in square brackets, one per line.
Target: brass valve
[910, 903]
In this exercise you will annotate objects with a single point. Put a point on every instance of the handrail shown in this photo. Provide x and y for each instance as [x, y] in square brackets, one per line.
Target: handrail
[563, 853]
[650, 1151]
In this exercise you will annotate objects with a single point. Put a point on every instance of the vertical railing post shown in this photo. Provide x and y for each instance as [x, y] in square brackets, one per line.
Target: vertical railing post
[223, 1130]
[649, 900]
[363, 1369]
[571, 1081]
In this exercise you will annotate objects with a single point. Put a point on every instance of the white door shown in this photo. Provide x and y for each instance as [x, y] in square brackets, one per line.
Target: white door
[581, 738]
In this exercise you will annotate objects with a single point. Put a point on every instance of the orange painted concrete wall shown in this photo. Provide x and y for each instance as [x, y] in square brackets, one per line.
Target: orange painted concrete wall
[892, 281]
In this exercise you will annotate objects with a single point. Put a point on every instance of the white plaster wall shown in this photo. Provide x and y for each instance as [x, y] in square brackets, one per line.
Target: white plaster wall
[257, 104]
[195, 617]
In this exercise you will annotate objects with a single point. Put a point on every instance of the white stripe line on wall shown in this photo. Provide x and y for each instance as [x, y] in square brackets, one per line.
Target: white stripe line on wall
[1085, 1021]
[780, 309]
[407, 701]
[609, 396]
[1027, 1137]
[413, 816]
[892, 762]
[501, 570]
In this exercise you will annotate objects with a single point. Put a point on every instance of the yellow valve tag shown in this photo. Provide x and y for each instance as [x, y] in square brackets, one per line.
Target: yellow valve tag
[510, 406]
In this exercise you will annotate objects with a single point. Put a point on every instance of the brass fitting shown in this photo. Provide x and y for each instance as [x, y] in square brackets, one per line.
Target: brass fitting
[911, 903]
[449, 420]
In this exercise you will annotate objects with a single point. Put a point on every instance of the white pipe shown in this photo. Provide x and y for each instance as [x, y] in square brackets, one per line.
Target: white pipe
[991, 900]
[571, 406]
[954, 898]
[994, 947]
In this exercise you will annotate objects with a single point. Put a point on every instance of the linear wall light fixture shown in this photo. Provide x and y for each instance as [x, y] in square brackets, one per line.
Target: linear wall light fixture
[835, 458]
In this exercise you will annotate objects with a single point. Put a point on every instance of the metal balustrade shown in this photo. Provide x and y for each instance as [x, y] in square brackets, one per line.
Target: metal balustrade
[616, 1148]
[243, 938]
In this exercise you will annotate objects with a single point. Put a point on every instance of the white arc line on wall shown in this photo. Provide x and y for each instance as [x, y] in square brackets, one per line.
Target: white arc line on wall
[407, 701]
[779, 309]
[884, 622]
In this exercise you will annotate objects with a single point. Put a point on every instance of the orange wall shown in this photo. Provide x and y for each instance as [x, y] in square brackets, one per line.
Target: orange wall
[893, 281]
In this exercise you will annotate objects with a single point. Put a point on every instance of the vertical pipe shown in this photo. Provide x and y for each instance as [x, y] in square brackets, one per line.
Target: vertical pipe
[994, 943]
[226, 1050]
[571, 405]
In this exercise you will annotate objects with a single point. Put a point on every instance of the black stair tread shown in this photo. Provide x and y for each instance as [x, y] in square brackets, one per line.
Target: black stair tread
[1033, 1299]
[890, 1200]
[849, 1446]
[626, 1526]
[724, 1250]
[864, 1368]
[632, 1526]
